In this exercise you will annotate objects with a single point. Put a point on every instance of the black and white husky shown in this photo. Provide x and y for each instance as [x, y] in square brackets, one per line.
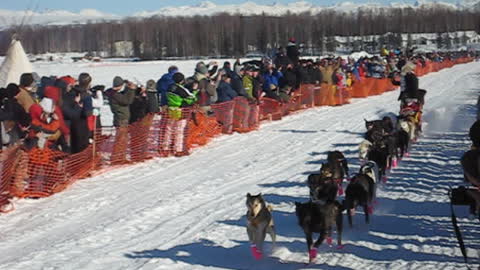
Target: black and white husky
[362, 191]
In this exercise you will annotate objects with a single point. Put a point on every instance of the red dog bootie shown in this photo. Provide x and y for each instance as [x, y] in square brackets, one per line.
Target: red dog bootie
[257, 254]
[312, 254]
[384, 179]
[407, 154]
[329, 241]
[370, 209]
[340, 188]
[394, 163]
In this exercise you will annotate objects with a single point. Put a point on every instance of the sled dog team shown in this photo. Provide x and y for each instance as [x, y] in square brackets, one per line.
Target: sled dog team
[386, 141]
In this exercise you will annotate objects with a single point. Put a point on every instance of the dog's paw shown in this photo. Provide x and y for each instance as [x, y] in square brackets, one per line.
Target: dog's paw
[340, 247]
[329, 241]
[370, 209]
[394, 163]
[257, 254]
[384, 179]
[312, 254]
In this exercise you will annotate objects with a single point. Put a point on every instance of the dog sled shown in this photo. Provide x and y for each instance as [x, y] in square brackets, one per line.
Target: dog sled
[411, 108]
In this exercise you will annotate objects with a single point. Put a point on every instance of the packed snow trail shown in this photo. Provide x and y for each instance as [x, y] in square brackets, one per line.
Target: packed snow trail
[189, 212]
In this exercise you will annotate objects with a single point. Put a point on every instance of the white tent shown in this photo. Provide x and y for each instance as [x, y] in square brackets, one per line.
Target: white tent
[15, 64]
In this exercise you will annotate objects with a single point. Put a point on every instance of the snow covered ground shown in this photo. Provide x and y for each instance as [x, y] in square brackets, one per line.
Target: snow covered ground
[189, 213]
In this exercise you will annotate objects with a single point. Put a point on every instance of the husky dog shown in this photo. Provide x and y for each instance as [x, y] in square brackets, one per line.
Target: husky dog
[259, 223]
[403, 142]
[362, 191]
[338, 164]
[322, 186]
[380, 156]
[317, 217]
[369, 125]
[371, 169]
[408, 126]
[364, 147]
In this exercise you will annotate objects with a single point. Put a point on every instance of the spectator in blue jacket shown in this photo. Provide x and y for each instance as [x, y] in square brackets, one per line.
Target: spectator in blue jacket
[164, 83]
[271, 78]
[225, 91]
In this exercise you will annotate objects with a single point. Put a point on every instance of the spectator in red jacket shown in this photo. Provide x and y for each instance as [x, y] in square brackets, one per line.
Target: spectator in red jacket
[55, 94]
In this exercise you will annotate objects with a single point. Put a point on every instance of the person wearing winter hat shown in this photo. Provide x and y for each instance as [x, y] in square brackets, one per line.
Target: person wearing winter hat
[164, 83]
[178, 97]
[408, 82]
[208, 91]
[139, 106]
[225, 90]
[53, 93]
[14, 120]
[201, 68]
[237, 79]
[120, 98]
[292, 51]
[45, 125]
[118, 82]
[25, 97]
[152, 97]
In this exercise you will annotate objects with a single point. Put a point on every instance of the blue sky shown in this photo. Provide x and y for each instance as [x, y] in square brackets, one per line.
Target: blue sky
[122, 7]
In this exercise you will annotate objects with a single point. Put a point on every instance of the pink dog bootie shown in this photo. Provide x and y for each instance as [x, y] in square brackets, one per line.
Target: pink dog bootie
[312, 254]
[407, 154]
[384, 179]
[394, 163]
[329, 241]
[257, 254]
[340, 189]
[370, 209]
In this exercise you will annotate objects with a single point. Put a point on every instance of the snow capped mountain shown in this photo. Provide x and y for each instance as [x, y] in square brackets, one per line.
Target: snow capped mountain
[206, 8]
[52, 17]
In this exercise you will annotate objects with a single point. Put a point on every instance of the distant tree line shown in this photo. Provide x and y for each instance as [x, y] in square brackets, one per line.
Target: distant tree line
[235, 35]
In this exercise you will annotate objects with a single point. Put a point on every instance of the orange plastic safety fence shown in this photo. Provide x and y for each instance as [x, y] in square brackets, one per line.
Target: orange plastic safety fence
[245, 115]
[8, 159]
[202, 129]
[308, 95]
[270, 109]
[224, 115]
[342, 96]
[360, 89]
[39, 173]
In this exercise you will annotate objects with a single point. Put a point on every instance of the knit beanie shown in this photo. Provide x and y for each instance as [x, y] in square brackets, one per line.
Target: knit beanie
[201, 68]
[151, 84]
[118, 81]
